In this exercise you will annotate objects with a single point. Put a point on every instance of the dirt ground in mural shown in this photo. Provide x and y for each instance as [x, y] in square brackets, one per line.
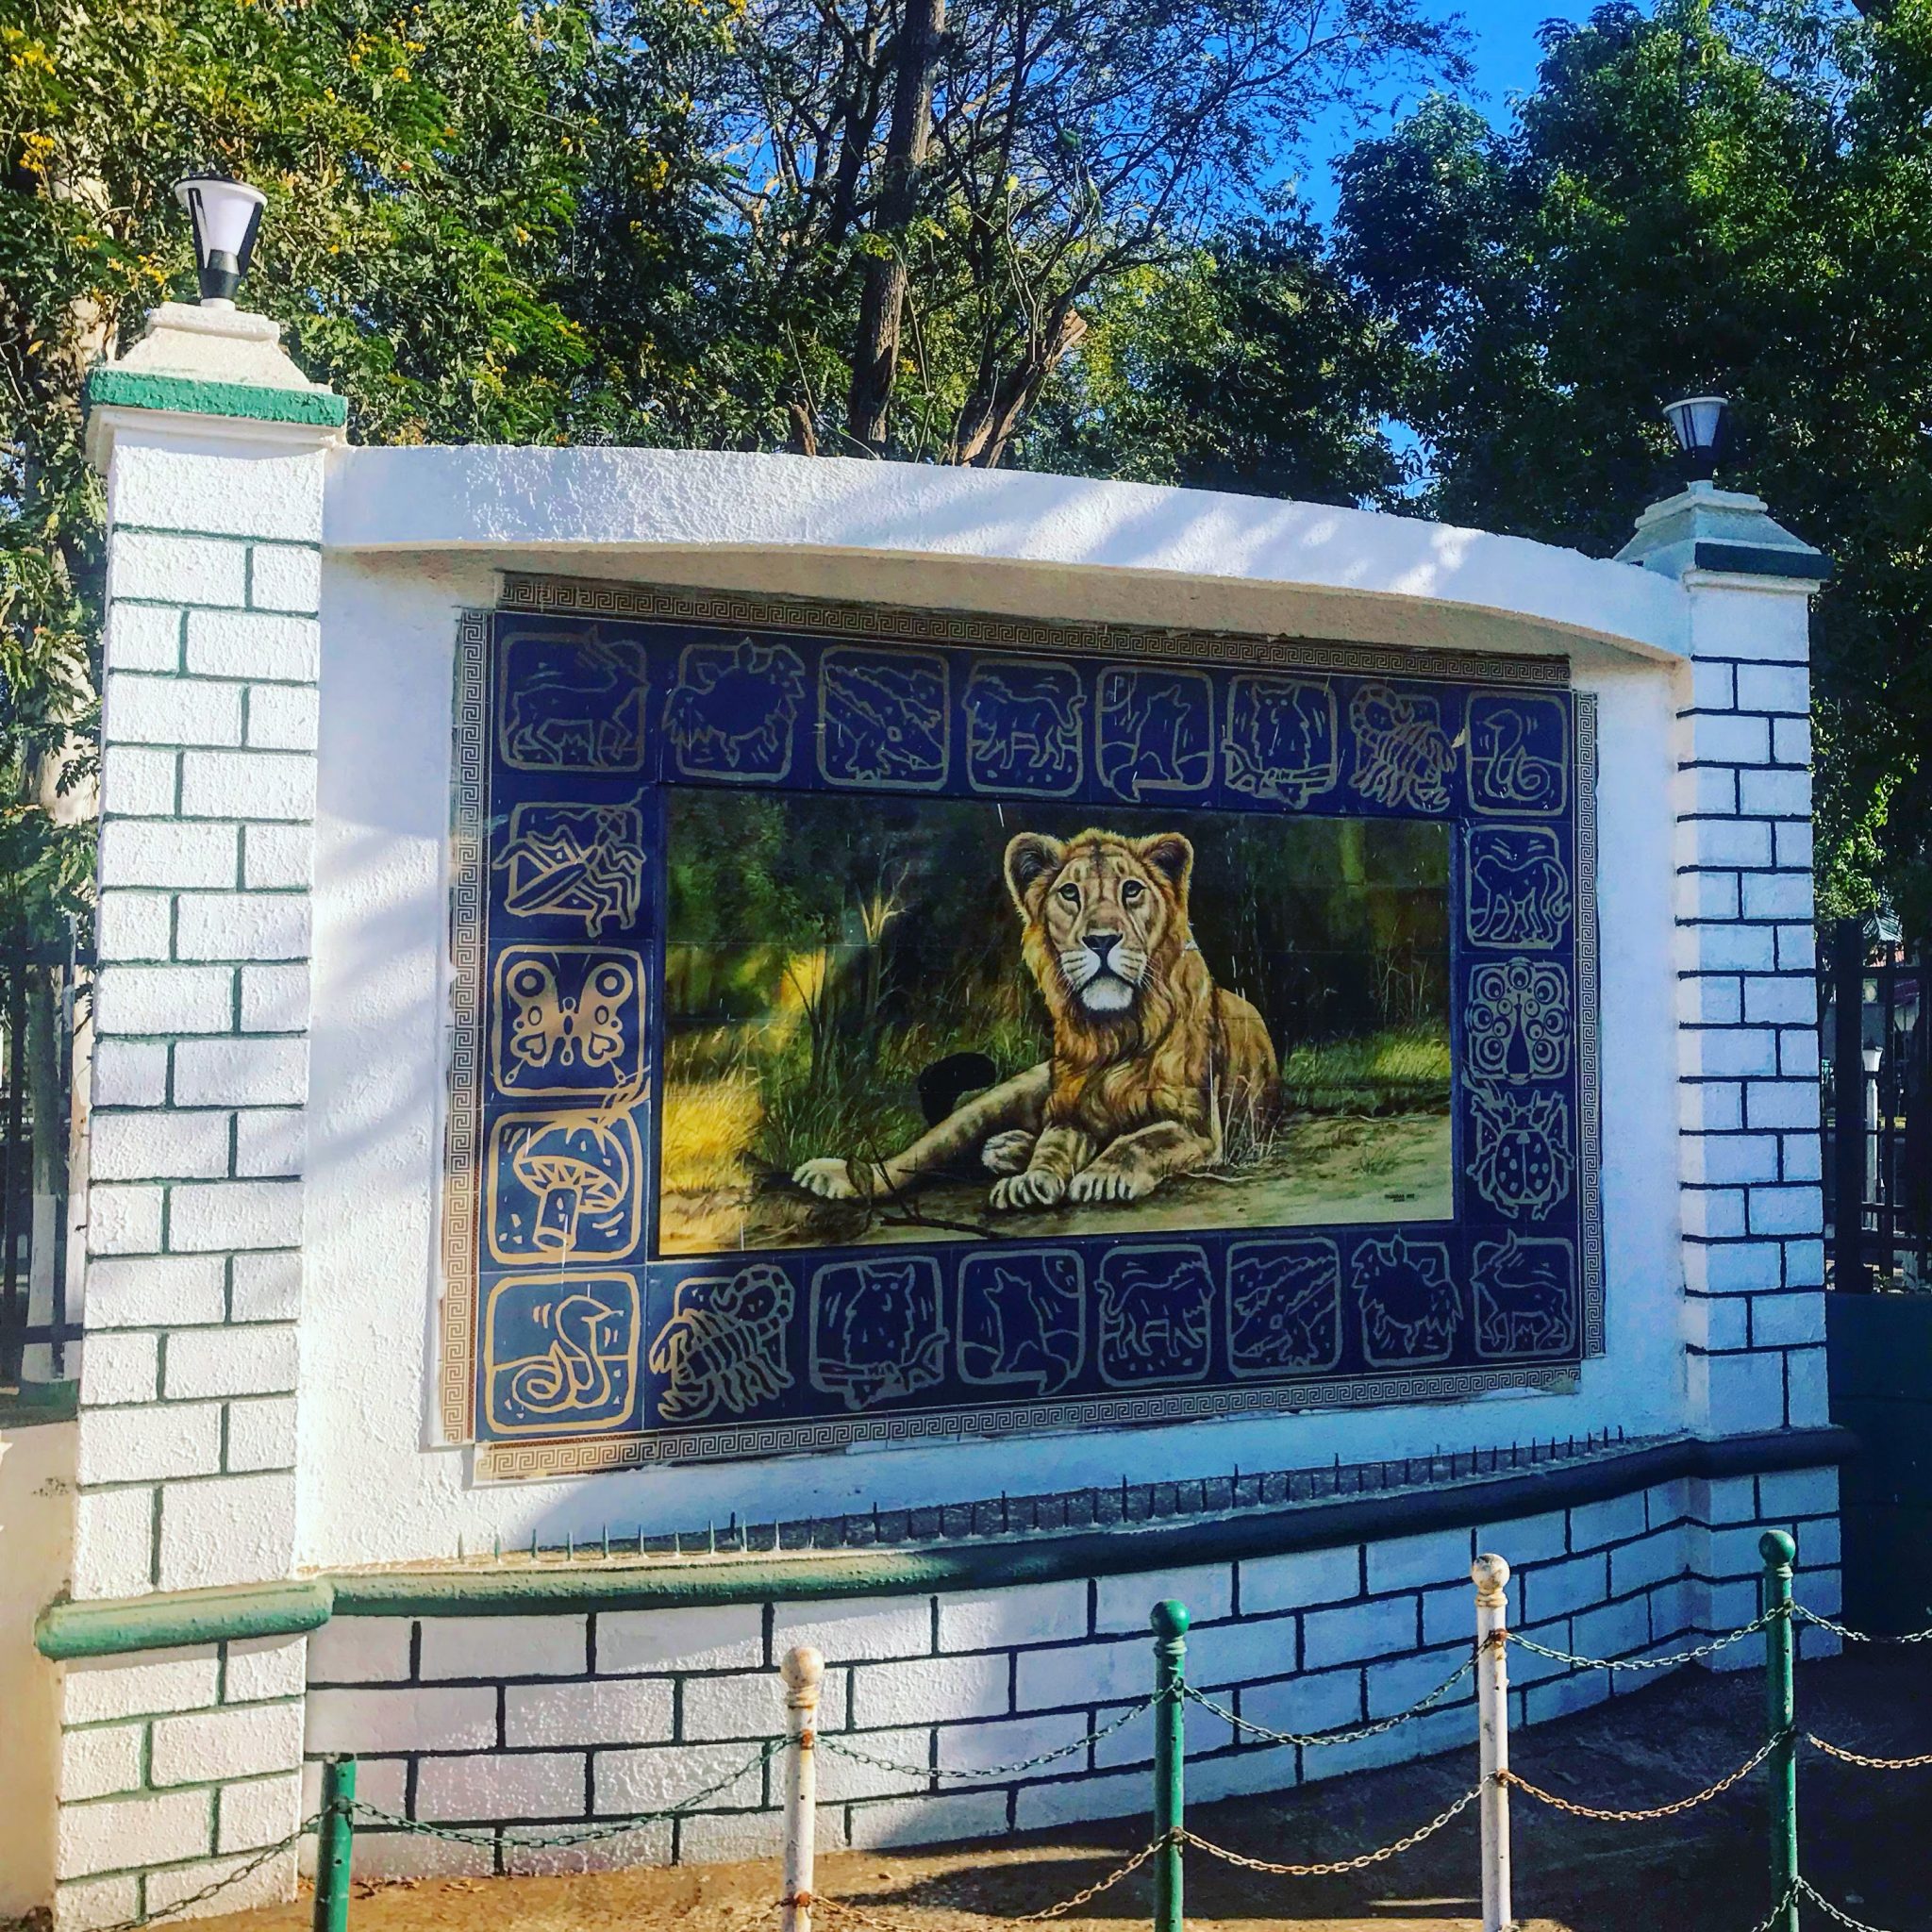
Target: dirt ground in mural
[1862, 1841]
[1316, 1171]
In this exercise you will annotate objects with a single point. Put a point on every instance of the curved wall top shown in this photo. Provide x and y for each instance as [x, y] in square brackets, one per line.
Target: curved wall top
[1000, 541]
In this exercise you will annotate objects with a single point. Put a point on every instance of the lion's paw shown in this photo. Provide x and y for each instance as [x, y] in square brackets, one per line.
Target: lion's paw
[1009, 1152]
[1036, 1188]
[829, 1177]
[1107, 1184]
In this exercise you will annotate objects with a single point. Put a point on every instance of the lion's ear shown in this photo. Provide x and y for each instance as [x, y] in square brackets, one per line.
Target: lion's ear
[1030, 856]
[1172, 857]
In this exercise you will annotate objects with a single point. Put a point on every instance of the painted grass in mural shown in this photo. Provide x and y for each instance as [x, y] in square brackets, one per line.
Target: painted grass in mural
[898, 1020]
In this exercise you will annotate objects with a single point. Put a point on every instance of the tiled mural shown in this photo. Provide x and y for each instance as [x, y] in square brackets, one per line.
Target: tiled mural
[875, 1037]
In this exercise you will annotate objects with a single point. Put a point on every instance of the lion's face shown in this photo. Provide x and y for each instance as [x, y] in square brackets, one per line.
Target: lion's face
[1100, 910]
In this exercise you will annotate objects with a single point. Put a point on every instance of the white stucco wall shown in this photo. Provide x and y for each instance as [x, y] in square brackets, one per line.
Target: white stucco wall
[414, 536]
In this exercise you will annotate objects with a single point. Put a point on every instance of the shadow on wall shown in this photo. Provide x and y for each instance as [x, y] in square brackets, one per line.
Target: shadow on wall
[37, 1468]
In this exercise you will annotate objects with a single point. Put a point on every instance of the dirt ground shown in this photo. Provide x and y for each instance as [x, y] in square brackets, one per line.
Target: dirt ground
[1393, 1167]
[1863, 1840]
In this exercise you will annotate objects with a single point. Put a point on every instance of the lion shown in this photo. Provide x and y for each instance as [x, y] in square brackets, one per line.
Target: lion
[1152, 1062]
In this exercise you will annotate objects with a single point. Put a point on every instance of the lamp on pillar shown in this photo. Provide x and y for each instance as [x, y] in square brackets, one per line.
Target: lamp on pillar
[226, 215]
[1698, 423]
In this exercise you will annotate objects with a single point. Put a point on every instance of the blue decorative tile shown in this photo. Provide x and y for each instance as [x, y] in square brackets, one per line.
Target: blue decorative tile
[559, 1354]
[1519, 754]
[1403, 752]
[1284, 1306]
[732, 713]
[1283, 742]
[1522, 1154]
[568, 1020]
[1022, 1320]
[724, 1349]
[1157, 1315]
[878, 1330]
[1410, 1310]
[1156, 731]
[1525, 1298]
[573, 703]
[1025, 727]
[885, 719]
[1517, 892]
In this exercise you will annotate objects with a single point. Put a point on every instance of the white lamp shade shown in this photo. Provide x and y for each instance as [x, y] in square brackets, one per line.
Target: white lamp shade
[1694, 422]
[225, 215]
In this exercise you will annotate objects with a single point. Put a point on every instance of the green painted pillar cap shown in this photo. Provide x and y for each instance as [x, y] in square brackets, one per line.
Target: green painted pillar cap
[1777, 1547]
[1169, 1618]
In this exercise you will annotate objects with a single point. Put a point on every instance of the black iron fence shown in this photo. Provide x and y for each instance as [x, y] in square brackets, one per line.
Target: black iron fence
[44, 995]
[1877, 1111]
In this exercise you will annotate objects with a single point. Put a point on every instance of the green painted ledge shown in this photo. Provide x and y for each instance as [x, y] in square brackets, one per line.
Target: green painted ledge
[113, 1626]
[131, 388]
[557, 1586]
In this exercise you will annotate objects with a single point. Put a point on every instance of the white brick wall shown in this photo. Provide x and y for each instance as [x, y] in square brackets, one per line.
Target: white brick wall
[1748, 1011]
[495, 1724]
[194, 1214]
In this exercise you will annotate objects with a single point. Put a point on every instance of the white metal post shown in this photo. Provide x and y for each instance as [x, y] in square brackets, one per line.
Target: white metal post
[802, 1670]
[1491, 1576]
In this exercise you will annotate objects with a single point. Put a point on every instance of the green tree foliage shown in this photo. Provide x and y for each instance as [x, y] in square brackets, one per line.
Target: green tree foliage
[421, 163]
[1250, 365]
[1738, 198]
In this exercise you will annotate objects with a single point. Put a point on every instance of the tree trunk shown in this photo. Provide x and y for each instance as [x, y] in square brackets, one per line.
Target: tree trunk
[990, 426]
[882, 304]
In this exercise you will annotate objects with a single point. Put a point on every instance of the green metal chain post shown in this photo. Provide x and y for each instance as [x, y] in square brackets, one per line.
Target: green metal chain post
[1170, 1621]
[334, 1844]
[1780, 1717]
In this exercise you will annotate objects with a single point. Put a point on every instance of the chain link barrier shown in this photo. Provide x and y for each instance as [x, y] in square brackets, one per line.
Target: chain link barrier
[220, 1885]
[1806, 1890]
[564, 1836]
[1349, 1736]
[827, 1741]
[1333, 1867]
[1845, 1757]
[1648, 1664]
[1644, 1817]
[842, 1908]
[1778, 1911]
[1852, 1636]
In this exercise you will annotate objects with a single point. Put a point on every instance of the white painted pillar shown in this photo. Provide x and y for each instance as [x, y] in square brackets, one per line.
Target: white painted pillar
[1752, 1214]
[804, 1671]
[1491, 1576]
[176, 1768]
[1747, 1017]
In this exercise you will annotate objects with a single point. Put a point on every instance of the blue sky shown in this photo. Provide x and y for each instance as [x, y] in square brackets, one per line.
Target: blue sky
[1503, 50]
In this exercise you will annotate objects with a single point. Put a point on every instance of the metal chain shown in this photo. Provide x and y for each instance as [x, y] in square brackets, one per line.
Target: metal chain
[567, 1835]
[1644, 1817]
[1858, 1636]
[838, 1744]
[1316, 1738]
[1649, 1663]
[1830, 1911]
[1838, 1752]
[1782, 1906]
[220, 1885]
[844, 1908]
[1338, 1865]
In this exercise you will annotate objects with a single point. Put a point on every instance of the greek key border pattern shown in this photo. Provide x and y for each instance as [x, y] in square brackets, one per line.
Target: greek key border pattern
[680, 603]
[456, 1367]
[1589, 1044]
[586, 1455]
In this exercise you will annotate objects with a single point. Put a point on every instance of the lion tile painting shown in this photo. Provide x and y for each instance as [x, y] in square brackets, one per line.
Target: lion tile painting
[891, 1022]
[875, 1025]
